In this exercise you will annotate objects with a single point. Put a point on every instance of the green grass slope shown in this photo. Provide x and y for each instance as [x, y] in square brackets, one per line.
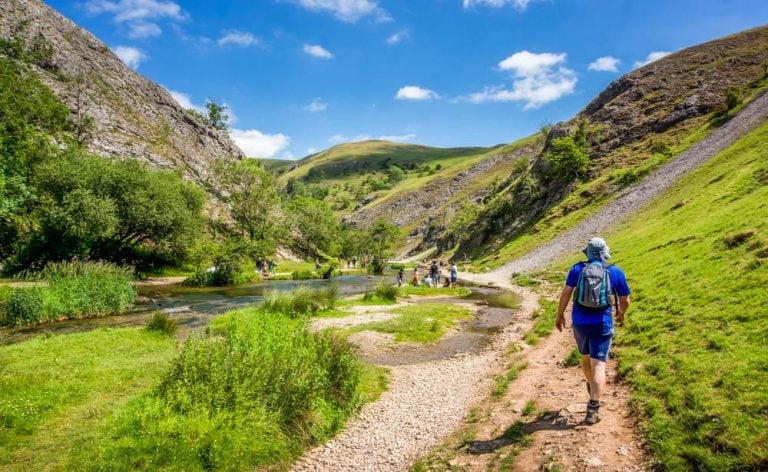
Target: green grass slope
[694, 346]
[365, 156]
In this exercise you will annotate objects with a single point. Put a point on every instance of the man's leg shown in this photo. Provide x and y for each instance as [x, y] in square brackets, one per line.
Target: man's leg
[586, 367]
[596, 379]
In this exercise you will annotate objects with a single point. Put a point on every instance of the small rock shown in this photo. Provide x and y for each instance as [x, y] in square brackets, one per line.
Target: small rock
[594, 462]
[622, 451]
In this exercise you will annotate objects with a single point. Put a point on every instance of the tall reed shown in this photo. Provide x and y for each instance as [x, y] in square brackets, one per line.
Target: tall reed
[70, 290]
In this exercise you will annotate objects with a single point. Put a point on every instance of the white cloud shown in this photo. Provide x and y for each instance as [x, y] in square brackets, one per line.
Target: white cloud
[185, 101]
[238, 38]
[138, 15]
[316, 106]
[315, 50]
[349, 11]
[340, 138]
[144, 30]
[136, 10]
[254, 143]
[605, 64]
[537, 79]
[398, 37]
[654, 56]
[517, 4]
[311, 151]
[528, 64]
[399, 138]
[132, 57]
[413, 92]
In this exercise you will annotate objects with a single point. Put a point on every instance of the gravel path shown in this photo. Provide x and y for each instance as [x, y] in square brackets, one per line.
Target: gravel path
[352, 320]
[639, 195]
[423, 404]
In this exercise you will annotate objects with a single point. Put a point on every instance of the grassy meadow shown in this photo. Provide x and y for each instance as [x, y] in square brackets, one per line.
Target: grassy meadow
[694, 345]
[57, 394]
[254, 390]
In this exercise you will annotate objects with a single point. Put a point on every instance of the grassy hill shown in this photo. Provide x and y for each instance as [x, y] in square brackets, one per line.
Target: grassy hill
[637, 124]
[350, 176]
[694, 345]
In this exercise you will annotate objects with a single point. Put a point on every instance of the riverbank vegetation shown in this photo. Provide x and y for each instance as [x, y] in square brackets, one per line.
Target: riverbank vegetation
[69, 290]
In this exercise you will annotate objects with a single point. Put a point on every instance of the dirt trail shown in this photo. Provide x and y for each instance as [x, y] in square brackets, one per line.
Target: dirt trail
[558, 437]
[642, 193]
[559, 440]
[424, 403]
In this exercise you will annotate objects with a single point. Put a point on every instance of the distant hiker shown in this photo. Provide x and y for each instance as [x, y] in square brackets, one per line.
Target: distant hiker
[447, 282]
[592, 285]
[433, 273]
[415, 280]
[317, 264]
[428, 281]
[400, 277]
[454, 275]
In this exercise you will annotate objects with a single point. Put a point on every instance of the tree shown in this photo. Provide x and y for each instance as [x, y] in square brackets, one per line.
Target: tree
[216, 115]
[315, 228]
[381, 239]
[395, 175]
[251, 193]
[567, 159]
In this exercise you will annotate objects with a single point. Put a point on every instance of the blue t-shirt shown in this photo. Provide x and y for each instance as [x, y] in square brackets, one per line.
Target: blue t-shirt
[586, 316]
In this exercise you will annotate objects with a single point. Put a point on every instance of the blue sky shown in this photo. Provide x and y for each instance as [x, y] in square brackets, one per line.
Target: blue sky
[302, 75]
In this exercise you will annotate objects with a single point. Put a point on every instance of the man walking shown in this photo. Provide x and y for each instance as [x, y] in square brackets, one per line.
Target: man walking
[592, 285]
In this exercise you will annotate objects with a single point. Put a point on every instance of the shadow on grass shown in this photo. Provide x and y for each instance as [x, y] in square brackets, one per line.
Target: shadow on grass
[519, 433]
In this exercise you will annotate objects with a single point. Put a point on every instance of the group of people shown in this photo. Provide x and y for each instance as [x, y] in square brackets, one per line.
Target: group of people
[432, 278]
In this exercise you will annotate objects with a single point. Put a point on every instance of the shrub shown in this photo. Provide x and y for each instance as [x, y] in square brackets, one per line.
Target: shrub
[567, 159]
[301, 302]
[252, 392]
[386, 291]
[71, 290]
[162, 323]
[304, 275]
[732, 98]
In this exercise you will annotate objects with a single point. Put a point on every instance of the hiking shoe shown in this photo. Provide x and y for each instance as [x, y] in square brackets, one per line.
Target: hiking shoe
[593, 415]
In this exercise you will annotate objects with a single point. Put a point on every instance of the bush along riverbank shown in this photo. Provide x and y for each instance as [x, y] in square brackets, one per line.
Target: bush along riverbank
[254, 391]
[70, 290]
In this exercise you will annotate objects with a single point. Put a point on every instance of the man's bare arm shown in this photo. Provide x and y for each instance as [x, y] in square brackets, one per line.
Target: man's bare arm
[565, 297]
[623, 305]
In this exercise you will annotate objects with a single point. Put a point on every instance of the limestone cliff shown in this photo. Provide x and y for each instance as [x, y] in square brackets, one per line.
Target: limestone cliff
[133, 117]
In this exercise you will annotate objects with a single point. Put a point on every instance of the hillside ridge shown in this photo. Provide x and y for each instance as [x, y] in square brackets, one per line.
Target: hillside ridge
[642, 193]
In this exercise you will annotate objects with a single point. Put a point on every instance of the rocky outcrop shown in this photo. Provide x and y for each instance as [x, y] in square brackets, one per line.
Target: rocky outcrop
[678, 87]
[133, 117]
